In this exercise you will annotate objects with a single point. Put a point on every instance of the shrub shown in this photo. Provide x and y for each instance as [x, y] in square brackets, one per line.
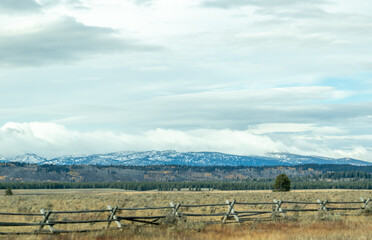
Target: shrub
[8, 192]
[282, 183]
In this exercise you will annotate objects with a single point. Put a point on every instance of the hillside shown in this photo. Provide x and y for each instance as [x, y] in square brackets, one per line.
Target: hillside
[22, 172]
[187, 159]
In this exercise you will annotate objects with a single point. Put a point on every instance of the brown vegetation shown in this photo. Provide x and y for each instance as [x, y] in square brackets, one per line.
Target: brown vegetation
[296, 226]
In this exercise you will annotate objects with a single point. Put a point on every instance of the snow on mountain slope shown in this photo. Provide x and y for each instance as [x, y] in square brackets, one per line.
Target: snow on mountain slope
[189, 158]
[28, 158]
[294, 159]
[2, 159]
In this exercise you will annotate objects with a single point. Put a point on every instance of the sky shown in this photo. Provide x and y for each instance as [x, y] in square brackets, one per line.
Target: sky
[246, 77]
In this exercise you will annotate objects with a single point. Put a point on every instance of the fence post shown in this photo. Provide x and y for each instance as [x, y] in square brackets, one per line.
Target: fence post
[113, 216]
[175, 207]
[46, 215]
[366, 201]
[323, 205]
[278, 207]
[230, 211]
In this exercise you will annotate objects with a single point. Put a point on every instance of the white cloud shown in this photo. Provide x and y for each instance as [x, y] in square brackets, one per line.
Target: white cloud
[290, 75]
[281, 127]
[51, 139]
[54, 139]
[265, 128]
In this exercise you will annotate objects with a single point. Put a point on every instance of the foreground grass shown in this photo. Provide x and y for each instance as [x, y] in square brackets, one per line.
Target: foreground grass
[297, 226]
[350, 228]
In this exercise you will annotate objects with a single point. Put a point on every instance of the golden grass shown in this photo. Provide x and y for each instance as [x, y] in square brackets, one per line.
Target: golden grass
[298, 226]
[351, 228]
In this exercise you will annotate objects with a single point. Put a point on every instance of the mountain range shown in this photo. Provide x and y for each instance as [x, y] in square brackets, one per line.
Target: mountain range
[171, 157]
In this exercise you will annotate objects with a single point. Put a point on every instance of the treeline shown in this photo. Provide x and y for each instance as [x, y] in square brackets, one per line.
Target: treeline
[347, 175]
[303, 167]
[168, 186]
[334, 167]
[357, 184]
[339, 176]
[140, 186]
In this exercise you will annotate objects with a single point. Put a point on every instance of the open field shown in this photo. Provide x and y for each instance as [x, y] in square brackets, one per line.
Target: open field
[298, 226]
[358, 229]
[112, 191]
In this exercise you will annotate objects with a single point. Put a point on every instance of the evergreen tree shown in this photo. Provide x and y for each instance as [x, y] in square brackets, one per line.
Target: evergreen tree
[8, 192]
[282, 183]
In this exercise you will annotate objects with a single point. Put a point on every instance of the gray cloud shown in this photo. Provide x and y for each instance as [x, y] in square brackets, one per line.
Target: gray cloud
[225, 4]
[20, 5]
[217, 110]
[259, 3]
[63, 41]
[74, 4]
[228, 69]
[220, 114]
[281, 9]
[142, 1]
[319, 124]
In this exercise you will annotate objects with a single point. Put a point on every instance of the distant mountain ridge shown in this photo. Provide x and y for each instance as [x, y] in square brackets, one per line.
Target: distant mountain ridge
[171, 157]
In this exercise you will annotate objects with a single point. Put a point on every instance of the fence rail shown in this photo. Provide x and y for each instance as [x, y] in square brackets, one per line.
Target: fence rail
[174, 211]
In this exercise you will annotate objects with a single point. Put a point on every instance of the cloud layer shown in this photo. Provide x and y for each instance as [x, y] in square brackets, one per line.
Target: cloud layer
[50, 140]
[237, 76]
[19, 6]
[63, 41]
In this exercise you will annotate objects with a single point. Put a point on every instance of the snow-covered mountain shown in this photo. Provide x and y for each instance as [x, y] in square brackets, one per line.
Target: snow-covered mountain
[177, 158]
[295, 159]
[26, 158]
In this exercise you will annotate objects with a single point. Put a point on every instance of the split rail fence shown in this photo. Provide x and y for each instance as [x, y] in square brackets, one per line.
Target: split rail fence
[235, 212]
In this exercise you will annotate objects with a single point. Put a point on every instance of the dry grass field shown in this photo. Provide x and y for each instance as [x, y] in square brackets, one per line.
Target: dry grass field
[313, 225]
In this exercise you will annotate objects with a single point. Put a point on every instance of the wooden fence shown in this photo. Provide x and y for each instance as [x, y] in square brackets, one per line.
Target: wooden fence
[233, 213]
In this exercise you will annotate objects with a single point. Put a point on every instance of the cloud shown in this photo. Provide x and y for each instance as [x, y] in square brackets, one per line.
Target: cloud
[259, 3]
[281, 127]
[64, 41]
[103, 105]
[142, 2]
[14, 6]
[280, 9]
[72, 4]
[262, 70]
[50, 139]
[225, 4]
[238, 109]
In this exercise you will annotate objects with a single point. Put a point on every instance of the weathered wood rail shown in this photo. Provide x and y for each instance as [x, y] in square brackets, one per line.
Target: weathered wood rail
[174, 213]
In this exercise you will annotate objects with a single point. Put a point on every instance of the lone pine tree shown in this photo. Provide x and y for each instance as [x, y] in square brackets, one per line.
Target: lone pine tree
[282, 183]
[8, 192]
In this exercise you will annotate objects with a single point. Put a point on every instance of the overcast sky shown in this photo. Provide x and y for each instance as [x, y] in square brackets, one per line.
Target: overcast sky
[246, 77]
